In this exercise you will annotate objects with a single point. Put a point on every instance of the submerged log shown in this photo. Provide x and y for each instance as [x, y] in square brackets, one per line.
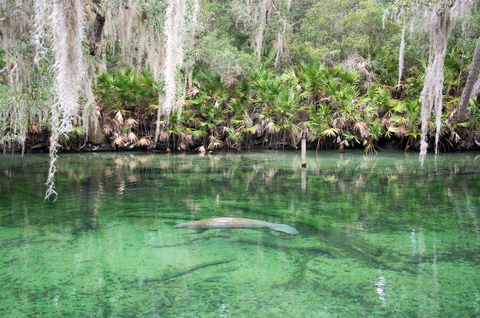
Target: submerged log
[177, 273]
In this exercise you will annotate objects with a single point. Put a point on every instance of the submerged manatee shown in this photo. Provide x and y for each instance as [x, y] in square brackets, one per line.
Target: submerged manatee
[222, 223]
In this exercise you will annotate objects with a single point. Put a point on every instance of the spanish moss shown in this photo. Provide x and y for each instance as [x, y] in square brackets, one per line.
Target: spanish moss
[67, 29]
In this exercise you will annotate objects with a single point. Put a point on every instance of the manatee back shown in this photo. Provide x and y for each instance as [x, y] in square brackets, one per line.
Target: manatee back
[284, 228]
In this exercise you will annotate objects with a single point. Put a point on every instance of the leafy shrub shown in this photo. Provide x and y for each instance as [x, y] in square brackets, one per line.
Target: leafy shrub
[127, 88]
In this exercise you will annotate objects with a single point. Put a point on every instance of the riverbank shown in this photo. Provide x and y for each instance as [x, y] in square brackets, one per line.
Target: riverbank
[255, 144]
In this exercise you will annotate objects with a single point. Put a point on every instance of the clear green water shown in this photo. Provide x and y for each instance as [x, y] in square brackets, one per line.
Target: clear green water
[379, 236]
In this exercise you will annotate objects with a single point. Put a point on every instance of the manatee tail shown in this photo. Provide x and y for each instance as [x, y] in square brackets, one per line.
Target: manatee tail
[284, 228]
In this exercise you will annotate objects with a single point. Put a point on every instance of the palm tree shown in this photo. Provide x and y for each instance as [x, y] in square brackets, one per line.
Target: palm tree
[312, 78]
[320, 123]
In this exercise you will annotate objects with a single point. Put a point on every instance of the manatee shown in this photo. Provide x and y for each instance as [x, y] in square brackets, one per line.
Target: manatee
[223, 223]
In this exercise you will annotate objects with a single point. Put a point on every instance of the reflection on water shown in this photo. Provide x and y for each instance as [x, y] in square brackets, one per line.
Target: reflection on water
[379, 236]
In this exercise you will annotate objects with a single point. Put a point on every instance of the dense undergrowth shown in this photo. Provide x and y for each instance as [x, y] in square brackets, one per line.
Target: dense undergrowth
[332, 107]
[348, 105]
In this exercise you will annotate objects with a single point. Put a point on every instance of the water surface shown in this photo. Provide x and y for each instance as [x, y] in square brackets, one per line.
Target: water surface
[379, 235]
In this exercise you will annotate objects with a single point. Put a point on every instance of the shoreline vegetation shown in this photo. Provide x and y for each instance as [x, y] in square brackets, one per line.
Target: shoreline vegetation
[200, 76]
[332, 107]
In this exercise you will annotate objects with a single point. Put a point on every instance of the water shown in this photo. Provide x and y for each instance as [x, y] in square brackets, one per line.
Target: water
[379, 236]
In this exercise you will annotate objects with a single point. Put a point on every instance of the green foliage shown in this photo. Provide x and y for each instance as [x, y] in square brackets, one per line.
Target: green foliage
[73, 138]
[312, 79]
[229, 62]
[153, 10]
[385, 66]
[3, 58]
[334, 30]
[127, 88]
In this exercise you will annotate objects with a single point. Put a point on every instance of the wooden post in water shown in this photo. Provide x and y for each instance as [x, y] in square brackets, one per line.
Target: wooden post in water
[304, 165]
[304, 153]
[304, 179]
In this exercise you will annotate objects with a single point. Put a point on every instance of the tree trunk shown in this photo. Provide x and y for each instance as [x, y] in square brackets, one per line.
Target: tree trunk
[94, 133]
[97, 31]
[461, 115]
[263, 21]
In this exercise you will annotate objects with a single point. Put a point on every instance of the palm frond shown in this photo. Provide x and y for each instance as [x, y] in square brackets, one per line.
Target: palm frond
[362, 128]
[130, 122]
[132, 138]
